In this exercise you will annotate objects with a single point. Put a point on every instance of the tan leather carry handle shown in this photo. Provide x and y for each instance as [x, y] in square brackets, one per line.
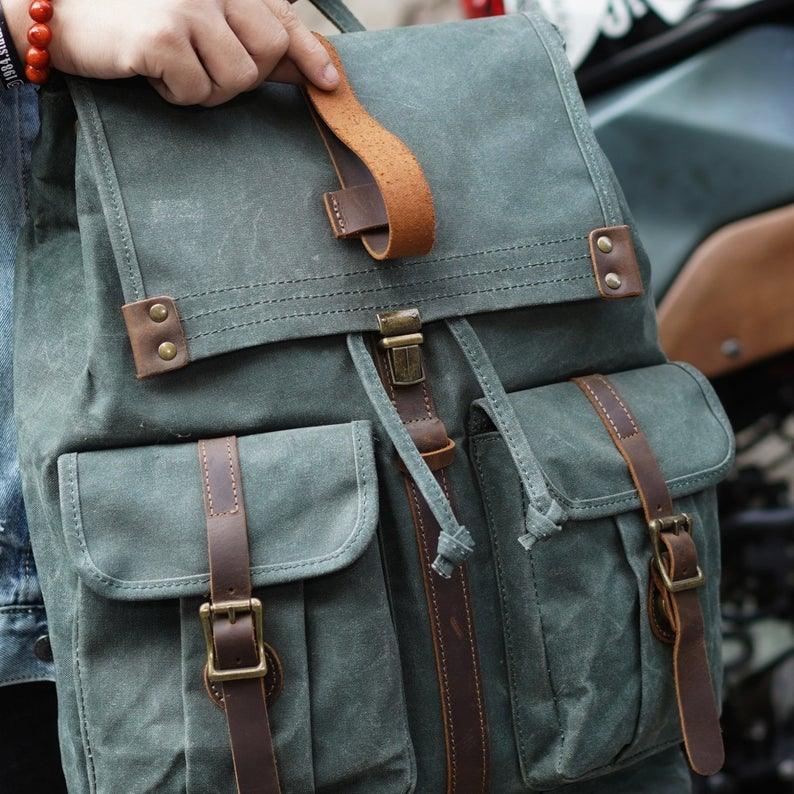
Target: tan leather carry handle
[385, 197]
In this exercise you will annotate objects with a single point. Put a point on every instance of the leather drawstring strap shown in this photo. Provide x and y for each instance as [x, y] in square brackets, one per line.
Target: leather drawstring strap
[232, 621]
[385, 199]
[674, 607]
[393, 376]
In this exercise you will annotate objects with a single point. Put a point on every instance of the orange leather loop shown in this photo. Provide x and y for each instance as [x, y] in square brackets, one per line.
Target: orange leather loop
[375, 156]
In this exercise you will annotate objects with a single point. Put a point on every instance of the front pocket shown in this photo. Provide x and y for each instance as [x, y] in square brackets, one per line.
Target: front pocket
[591, 687]
[134, 526]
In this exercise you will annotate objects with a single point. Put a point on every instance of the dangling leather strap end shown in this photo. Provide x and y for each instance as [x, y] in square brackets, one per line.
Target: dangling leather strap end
[675, 579]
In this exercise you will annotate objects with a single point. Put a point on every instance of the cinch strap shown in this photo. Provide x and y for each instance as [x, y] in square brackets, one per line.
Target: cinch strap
[232, 621]
[673, 605]
[544, 515]
[397, 358]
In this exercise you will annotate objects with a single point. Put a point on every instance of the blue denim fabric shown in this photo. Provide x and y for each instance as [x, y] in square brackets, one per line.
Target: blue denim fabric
[22, 618]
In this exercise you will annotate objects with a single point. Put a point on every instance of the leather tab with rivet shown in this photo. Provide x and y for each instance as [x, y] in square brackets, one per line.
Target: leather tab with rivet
[156, 336]
[614, 260]
[674, 610]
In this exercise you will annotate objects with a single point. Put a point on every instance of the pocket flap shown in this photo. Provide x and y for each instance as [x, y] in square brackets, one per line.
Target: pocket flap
[134, 524]
[674, 405]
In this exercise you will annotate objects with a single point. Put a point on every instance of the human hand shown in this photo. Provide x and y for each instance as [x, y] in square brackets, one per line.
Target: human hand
[194, 52]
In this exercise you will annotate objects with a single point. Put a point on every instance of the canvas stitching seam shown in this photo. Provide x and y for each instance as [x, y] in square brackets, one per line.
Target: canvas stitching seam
[626, 411]
[361, 520]
[506, 623]
[107, 168]
[207, 487]
[539, 602]
[382, 288]
[675, 487]
[474, 360]
[568, 96]
[89, 756]
[606, 413]
[429, 299]
[392, 268]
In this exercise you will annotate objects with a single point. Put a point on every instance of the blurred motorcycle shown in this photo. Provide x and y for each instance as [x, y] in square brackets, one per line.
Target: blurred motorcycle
[693, 103]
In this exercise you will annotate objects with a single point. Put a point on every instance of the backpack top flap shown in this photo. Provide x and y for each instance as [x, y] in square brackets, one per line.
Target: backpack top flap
[222, 210]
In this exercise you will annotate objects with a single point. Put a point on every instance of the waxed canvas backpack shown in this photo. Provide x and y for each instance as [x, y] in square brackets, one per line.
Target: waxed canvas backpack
[351, 458]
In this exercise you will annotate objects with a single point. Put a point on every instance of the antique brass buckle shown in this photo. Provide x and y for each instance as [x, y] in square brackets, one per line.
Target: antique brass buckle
[231, 609]
[676, 524]
[401, 339]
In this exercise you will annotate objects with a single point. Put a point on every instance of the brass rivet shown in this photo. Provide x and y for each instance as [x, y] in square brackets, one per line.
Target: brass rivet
[604, 244]
[158, 312]
[612, 280]
[167, 351]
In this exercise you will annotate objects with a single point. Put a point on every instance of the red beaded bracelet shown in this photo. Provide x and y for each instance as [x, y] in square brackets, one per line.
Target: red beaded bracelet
[37, 58]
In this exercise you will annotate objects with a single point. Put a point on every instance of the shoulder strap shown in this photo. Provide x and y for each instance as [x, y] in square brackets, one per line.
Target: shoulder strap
[675, 578]
[339, 14]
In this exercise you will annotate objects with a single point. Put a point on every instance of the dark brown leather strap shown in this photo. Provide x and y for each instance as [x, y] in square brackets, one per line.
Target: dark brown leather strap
[448, 600]
[233, 620]
[674, 607]
[385, 197]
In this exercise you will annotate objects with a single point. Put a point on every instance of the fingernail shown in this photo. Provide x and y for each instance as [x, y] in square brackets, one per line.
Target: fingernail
[330, 75]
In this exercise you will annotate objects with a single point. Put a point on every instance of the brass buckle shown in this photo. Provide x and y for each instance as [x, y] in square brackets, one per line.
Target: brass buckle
[402, 337]
[676, 524]
[207, 612]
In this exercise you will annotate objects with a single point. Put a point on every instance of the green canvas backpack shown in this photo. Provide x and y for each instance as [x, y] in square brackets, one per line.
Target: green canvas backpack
[366, 481]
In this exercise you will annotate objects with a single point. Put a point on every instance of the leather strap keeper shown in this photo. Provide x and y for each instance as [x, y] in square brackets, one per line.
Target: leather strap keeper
[356, 210]
[674, 609]
[435, 459]
[385, 198]
[232, 621]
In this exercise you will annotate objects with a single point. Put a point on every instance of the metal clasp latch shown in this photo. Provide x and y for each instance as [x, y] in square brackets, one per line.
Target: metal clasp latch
[401, 339]
[231, 609]
[676, 524]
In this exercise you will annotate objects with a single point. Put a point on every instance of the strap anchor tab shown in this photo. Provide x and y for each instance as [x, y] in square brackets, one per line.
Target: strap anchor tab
[230, 610]
[681, 522]
[401, 338]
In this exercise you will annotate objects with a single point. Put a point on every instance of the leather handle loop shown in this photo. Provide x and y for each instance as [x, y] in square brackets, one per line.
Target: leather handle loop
[366, 155]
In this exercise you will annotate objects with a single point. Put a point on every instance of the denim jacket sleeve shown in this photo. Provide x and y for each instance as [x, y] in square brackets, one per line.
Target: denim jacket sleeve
[24, 654]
